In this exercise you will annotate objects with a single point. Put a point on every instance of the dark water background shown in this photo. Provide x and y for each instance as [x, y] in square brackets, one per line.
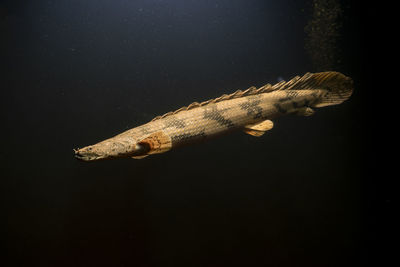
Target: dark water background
[77, 72]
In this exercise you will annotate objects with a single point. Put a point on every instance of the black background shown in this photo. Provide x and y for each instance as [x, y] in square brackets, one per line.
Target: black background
[77, 72]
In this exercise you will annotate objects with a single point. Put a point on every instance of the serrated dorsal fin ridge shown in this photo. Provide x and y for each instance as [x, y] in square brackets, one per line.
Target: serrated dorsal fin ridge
[307, 81]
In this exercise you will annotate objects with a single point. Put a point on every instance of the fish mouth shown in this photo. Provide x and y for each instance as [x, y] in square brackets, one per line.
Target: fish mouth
[86, 156]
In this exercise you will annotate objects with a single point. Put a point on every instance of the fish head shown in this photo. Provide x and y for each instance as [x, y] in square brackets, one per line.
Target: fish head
[110, 149]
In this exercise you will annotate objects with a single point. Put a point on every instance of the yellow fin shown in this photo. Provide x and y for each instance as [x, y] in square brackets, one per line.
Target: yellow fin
[261, 126]
[253, 133]
[259, 129]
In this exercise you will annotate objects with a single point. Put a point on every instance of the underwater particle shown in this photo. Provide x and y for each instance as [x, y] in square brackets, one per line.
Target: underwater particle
[322, 32]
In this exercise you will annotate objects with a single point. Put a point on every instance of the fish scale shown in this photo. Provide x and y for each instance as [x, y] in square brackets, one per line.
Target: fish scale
[250, 110]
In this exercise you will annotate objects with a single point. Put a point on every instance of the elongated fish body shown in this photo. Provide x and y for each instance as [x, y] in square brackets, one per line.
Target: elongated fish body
[251, 111]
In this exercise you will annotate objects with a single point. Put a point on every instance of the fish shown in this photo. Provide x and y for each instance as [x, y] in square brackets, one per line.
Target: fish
[251, 111]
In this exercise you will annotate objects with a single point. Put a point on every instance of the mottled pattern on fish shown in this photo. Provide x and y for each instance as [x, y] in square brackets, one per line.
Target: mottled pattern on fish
[251, 111]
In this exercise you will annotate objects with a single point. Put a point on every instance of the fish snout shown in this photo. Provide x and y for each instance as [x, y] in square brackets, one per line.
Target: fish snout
[111, 149]
[86, 154]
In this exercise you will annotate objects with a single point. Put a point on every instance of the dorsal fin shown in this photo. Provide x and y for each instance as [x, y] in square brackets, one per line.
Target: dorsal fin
[239, 93]
[327, 80]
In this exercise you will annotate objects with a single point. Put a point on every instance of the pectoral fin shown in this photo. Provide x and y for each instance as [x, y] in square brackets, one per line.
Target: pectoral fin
[156, 143]
[259, 129]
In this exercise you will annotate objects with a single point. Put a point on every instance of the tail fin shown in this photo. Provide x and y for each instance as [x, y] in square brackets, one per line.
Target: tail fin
[338, 87]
